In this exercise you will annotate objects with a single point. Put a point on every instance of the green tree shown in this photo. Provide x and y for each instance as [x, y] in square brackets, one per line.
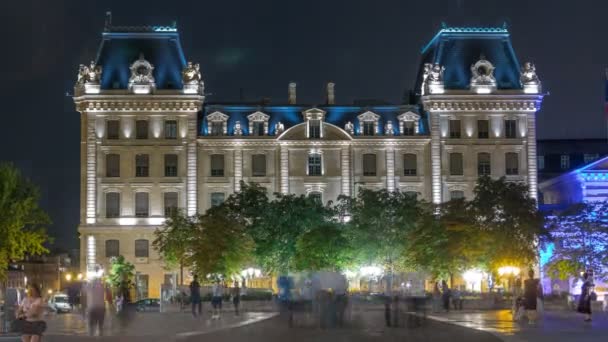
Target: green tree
[121, 276]
[172, 240]
[580, 234]
[324, 247]
[22, 221]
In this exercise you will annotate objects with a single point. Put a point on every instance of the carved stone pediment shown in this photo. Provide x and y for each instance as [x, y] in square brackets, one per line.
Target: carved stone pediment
[217, 116]
[368, 116]
[258, 116]
[408, 116]
[314, 114]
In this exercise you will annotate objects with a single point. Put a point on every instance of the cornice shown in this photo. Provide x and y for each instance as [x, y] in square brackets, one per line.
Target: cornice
[235, 143]
[496, 103]
[131, 103]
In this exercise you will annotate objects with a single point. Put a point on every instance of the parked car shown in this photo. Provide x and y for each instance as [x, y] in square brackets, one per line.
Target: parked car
[59, 303]
[148, 305]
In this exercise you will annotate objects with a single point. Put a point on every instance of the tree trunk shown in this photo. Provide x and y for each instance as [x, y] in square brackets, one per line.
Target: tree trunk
[181, 273]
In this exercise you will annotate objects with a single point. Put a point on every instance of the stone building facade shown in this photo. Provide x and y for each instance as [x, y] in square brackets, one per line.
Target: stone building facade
[150, 142]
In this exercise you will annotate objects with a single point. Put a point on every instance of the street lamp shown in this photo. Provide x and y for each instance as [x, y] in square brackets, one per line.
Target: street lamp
[473, 278]
[68, 277]
[79, 277]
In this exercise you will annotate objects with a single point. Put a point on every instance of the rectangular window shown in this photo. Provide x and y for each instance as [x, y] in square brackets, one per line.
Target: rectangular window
[510, 129]
[409, 128]
[142, 204]
[483, 164]
[171, 129]
[314, 164]
[112, 204]
[113, 165]
[565, 162]
[112, 127]
[541, 162]
[112, 248]
[217, 128]
[142, 165]
[170, 165]
[217, 198]
[141, 248]
[258, 128]
[511, 163]
[588, 158]
[369, 164]
[217, 165]
[314, 129]
[141, 129]
[456, 165]
[369, 128]
[455, 129]
[409, 164]
[170, 202]
[142, 285]
[483, 129]
[317, 196]
[456, 194]
[412, 194]
[258, 165]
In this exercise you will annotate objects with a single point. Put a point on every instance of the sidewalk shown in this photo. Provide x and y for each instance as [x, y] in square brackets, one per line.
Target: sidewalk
[554, 325]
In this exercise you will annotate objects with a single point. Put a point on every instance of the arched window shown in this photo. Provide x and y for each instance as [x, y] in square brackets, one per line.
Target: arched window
[483, 164]
[112, 248]
[141, 248]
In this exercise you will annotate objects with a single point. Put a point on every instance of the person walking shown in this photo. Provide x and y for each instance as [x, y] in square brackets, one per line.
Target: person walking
[96, 306]
[436, 297]
[457, 299]
[584, 303]
[531, 294]
[236, 297]
[216, 299]
[195, 297]
[445, 295]
[30, 315]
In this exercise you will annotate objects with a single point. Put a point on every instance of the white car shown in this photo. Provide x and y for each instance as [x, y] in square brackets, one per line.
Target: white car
[59, 303]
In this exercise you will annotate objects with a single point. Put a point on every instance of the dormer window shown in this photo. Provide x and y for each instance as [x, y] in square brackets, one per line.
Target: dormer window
[217, 124]
[258, 123]
[314, 129]
[409, 123]
[368, 123]
[314, 123]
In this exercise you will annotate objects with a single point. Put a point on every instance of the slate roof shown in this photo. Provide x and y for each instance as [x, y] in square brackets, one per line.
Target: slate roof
[457, 48]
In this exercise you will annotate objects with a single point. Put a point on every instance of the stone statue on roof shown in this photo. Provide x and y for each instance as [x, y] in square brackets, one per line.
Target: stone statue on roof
[436, 73]
[238, 130]
[192, 73]
[89, 74]
[432, 78]
[388, 129]
[279, 128]
[350, 128]
[528, 74]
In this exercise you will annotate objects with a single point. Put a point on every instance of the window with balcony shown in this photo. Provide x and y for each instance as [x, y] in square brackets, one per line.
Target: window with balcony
[510, 129]
[142, 165]
[456, 164]
[258, 165]
[369, 164]
[170, 203]
[142, 248]
[112, 128]
[113, 165]
[454, 129]
[483, 164]
[142, 204]
[409, 164]
[217, 198]
[314, 164]
[141, 129]
[511, 163]
[112, 204]
[112, 248]
[483, 129]
[217, 165]
[170, 165]
[170, 129]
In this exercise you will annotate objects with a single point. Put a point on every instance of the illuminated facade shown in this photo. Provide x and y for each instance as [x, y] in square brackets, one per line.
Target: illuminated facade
[150, 142]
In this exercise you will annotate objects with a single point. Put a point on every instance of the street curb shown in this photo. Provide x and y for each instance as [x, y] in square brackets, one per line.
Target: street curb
[502, 337]
[189, 334]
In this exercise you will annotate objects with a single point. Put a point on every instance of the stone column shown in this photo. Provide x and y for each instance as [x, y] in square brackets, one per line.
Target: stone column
[390, 169]
[91, 170]
[436, 158]
[531, 142]
[238, 169]
[284, 163]
[191, 160]
[345, 164]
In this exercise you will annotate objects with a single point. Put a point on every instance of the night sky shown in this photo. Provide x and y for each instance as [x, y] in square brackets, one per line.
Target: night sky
[370, 49]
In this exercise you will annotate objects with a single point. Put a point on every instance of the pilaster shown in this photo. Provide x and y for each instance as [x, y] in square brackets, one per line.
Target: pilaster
[345, 164]
[436, 158]
[284, 162]
[238, 169]
[91, 172]
[191, 159]
[390, 169]
[531, 142]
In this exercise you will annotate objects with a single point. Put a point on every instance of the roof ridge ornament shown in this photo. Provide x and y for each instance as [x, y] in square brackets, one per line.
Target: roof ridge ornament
[482, 76]
[89, 78]
[141, 80]
[529, 79]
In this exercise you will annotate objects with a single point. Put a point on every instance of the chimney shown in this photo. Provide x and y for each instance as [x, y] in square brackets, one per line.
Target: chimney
[331, 97]
[292, 93]
[108, 23]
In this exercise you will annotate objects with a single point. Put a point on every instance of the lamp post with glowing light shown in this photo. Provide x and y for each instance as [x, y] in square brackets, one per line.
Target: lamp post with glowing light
[510, 272]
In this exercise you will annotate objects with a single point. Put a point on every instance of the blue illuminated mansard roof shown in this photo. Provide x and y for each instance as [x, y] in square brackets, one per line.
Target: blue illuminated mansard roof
[290, 115]
[457, 48]
[159, 45]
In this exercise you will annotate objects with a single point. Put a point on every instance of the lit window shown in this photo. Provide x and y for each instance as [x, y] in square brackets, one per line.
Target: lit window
[113, 165]
[369, 164]
[369, 128]
[541, 162]
[170, 202]
[409, 164]
[483, 129]
[510, 129]
[455, 129]
[217, 198]
[314, 164]
[112, 248]
[456, 194]
[142, 165]
[483, 164]
[112, 204]
[142, 204]
[314, 129]
[170, 129]
[141, 129]
[456, 165]
[170, 165]
[217, 165]
[141, 248]
[511, 163]
[112, 127]
[258, 165]
[565, 162]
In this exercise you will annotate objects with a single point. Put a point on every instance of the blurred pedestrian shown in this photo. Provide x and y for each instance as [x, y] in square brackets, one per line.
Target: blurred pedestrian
[445, 295]
[436, 297]
[457, 299]
[531, 294]
[29, 315]
[216, 299]
[236, 297]
[584, 303]
[96, 307]
[195, 297]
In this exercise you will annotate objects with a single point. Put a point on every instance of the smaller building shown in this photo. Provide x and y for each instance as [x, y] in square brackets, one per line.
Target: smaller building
[560, 156]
